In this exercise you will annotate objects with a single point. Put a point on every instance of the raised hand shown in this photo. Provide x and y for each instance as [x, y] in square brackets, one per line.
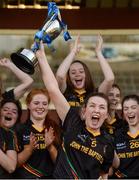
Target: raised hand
[40, 53]
[5, 62]
[99, 43]
[49, 136]
[76, 46]
[26, 80]
[106, 85]
[33, 143]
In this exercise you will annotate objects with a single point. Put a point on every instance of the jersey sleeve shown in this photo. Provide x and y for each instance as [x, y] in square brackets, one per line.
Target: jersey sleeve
[23, 135]
[72, 119]
[8, 94]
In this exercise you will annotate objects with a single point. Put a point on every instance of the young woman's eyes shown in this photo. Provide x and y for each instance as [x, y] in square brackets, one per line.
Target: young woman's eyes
[102, 107]
[36, 103]
[44, 104]
[91, 105]
[73, 73]
[15, 112]
[110, 95]
[6, 110]
[134, 107]
[82, 71]
[118, 95]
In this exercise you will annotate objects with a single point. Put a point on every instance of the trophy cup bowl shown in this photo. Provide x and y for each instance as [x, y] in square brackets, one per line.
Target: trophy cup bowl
[25, 60]
[53, 29]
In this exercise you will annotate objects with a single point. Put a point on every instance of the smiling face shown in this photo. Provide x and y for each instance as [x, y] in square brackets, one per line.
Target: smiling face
[131, 112]
[77, 75]
[114, 97]
[38, 107]
[95, 113]
[9, 114]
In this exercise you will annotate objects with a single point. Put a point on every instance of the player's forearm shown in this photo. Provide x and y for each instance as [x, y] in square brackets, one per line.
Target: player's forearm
[106, 69]
[9, 160]
[53, 152]
[24, 156]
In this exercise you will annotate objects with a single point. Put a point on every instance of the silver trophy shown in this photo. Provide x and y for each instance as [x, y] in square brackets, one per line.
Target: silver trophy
[25, 59]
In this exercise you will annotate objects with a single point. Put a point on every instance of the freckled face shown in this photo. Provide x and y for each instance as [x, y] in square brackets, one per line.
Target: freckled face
[9, 114]
[77, 75]
[38, 107]
[131, 112]
[96, 112]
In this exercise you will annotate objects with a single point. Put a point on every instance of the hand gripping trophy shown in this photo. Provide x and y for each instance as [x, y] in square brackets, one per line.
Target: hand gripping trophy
[25, 58]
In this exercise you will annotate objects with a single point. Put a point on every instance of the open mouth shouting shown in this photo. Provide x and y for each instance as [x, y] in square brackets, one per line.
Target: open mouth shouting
[8, 118]
[132, 119]
[78, 83]
[95, 119]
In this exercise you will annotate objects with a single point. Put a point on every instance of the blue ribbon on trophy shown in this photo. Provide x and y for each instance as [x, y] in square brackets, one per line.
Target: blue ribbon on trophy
[53, 26]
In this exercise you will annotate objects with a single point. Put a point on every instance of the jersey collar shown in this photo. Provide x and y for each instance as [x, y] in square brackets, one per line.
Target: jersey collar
[92, 132]
[133, 135]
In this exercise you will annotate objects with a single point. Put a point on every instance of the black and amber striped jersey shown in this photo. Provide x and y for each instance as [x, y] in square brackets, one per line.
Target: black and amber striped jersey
[39, 164]
[115, 124]
[127, 147]
[75, 98]
[88, 154]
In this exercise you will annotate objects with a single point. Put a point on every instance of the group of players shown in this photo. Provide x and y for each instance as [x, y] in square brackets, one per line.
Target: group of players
[98, 136]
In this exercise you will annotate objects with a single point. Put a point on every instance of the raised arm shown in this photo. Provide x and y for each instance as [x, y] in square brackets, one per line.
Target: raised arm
[25, 79]
[106, 85]
[65, 65]
[59, 101]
